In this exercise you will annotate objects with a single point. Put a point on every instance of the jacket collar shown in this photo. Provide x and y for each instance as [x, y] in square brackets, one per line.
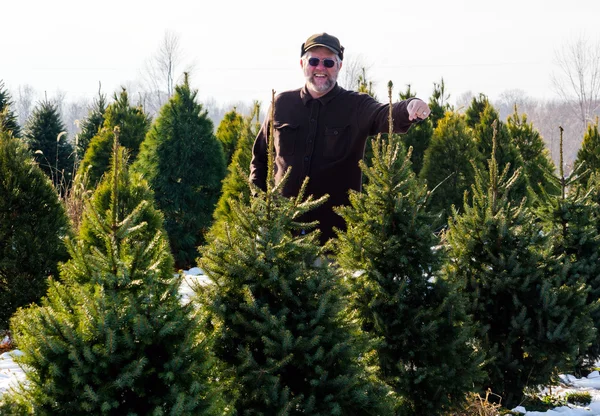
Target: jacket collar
[306, 97]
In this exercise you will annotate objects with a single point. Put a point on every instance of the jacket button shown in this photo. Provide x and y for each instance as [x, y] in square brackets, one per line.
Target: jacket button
[335, 132]
[306, 158]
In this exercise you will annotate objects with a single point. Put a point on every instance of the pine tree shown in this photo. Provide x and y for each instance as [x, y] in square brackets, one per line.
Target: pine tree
[448, 166]
[112, 337]
[133, 124]
[537, 163]
[184, 164]
[418, 137]
[531, 320]
[235, 184]
[507, 153]
[438, 103]
[388, 255]
[569, 217]
[8, 121]
[92, 124]
[46, 136]
[473, 113]
[278, 315]
[32, 225]
[589, 153]
[229, 132]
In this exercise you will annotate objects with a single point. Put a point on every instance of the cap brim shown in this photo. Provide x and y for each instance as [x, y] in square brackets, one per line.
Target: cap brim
[324, 46]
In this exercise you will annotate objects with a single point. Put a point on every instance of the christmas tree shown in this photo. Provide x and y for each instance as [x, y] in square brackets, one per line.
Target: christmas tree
[112, 337]
[32, 226]
[279, 317]
[388, 254]
[184, 165]
[531, 319]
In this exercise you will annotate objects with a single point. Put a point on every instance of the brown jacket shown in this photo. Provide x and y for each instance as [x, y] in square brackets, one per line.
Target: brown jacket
[323, 139]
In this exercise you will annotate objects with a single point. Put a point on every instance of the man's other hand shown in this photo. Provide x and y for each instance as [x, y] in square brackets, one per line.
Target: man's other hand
[417, 110]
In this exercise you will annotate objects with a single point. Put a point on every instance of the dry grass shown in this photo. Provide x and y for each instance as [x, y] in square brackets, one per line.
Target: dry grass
[477, 405]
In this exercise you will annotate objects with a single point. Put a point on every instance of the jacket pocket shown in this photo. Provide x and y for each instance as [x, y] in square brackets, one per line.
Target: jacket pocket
[285, 138]
[336, 143]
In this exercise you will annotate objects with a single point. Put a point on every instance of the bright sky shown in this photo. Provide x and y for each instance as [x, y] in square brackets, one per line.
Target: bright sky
[243, 49]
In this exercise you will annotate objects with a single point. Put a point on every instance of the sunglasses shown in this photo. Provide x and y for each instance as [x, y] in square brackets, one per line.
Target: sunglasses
[327, 62]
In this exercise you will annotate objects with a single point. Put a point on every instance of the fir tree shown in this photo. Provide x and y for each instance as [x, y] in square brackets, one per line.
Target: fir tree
[507, 153]
[531, 320]
[32, 225]
[537, 163]
[473, 113]
[229, 132]
[184, 164]
[8, 121]
[133, 124]
[91, 125]
[438, 103]
[278, 315]
[112, 337]
[417, 137]
[388, 255]
[235, 184]
[46, 136]
[569, 219]
[589, 153]
[448, 166]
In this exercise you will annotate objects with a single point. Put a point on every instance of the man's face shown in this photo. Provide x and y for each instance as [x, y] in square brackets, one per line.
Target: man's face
[320, 79]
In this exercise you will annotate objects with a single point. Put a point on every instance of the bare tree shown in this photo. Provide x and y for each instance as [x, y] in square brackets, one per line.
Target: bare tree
[162, 72]
[24, 102]
[578, 80]
[353, 68]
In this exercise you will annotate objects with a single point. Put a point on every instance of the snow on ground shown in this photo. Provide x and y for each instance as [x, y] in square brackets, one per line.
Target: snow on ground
[10, 373]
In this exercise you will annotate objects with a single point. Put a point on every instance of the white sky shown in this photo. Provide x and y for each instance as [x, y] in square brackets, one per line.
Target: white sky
[243, 49]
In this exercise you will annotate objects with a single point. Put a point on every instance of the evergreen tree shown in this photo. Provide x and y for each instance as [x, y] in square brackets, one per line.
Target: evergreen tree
[46, 136]
[537, 163]
[589, 153]
[8, 121]
[417, 137]
[438, 103]
[448, 165]
[133, 124]
[507, 153]
[92, 124]
[184, 164]
[112, 337]
[473, 113]
[532, 321]
[229, 132]
[278, 315]
[235, 184]
[427, 354]
[32, 225]
[365, 85]
[570, 219]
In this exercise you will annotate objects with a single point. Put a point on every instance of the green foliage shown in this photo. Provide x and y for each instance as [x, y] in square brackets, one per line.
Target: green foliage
[235, 184]
[388, 256]
[92, 124]
[229, 132]
[46, 136]
[532, 320]
[133, 125]
[580, 398]
[448, 164]
[279, 319]
[184, 164]
[112, 337]
[507, 153]
[32, 225]
[365, 85]
[438, 103]
[417, 137]
[537, 164]
[589, 153]
[473, 113]
[8, 120]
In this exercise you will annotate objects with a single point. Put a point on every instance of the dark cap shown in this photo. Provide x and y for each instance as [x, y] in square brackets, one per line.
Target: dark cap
[323, 39]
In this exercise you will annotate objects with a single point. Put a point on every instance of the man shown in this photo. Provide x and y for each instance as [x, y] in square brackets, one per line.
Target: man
[320, 131]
